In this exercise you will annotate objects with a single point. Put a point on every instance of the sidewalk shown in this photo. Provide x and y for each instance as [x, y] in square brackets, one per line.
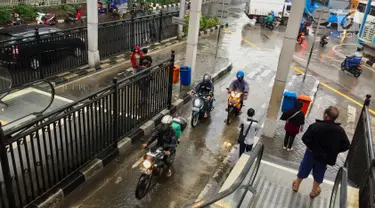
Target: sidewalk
[274, 151]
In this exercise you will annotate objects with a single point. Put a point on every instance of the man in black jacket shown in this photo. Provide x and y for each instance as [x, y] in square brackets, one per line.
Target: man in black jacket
[324, 141]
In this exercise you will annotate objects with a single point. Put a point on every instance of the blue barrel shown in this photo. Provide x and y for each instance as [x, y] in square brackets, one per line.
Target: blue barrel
[185, 75]
[288, 101]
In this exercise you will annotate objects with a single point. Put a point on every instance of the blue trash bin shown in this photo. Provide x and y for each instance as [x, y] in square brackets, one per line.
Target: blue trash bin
[185, 75]
[288, 101]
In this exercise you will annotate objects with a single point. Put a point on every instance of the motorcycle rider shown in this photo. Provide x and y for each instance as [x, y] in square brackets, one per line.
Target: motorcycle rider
[240, 85]
[166, 139]
[302, 29]
[356, 57]
[269, 19]
[206, 88]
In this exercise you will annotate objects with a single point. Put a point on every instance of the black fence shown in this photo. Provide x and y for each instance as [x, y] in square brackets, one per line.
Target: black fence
[37, 156]
[48, 52]
[360, 161]
[121, 36]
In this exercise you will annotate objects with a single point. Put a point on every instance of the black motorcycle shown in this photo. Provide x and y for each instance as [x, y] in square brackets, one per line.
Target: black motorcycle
[198, 109]
[269, 25]
[153, 165]
[324, 40]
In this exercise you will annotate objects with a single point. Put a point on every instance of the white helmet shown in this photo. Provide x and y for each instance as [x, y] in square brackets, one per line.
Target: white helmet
[166, 122]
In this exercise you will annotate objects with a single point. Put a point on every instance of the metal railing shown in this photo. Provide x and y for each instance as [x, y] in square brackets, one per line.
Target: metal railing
[40, 154]
[40, 2]
[39, 56]
[339, 193]
[360, 161]
[121, 36]
[243, 183]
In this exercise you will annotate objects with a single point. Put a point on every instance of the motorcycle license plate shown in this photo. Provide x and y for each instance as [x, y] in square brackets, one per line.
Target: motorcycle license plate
[233, 101]
[147, 171]
[195, 109]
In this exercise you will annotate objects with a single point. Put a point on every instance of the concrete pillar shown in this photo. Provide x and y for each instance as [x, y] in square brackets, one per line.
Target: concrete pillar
[181, 16]
[193, 34]
[92, 31]
[285, 59]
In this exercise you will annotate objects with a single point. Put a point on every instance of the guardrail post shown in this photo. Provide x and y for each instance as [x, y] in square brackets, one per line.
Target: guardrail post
[39, 56]
[133, 14]
[115, 111]
[170, 84]
[160, 25]
[6, 170]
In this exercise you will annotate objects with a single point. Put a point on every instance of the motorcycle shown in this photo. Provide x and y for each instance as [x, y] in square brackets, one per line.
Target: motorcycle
[234, 105]
[324, 40]
[75, 17]
[269, 25]
[199, 110]
[301, 38]
[352, 65]
[153, 165]
[16, 20]
[46, 19]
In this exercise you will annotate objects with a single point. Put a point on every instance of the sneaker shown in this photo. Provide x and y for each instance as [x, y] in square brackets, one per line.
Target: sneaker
[284, 148]
[289, 149]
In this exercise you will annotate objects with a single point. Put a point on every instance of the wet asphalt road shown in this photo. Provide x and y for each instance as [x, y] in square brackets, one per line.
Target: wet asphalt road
[203, 149]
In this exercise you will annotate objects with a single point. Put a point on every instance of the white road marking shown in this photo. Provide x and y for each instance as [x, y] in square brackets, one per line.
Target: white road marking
[313, 91]
[137, 163]
[272, 81]
[291, 80]
[264, 105]
[252, 73]
[264, 74]
[351, 114]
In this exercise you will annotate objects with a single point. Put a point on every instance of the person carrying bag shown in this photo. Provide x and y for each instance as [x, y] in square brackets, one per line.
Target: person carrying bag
[248, 130]
[295, 119]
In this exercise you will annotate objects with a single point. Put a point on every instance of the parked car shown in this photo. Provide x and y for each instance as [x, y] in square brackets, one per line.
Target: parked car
[30, 47]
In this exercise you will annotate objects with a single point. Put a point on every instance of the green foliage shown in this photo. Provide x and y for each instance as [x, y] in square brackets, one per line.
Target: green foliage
[162, 2]
[68, 8]
[5, 15]
[204, 23]
[28, 12]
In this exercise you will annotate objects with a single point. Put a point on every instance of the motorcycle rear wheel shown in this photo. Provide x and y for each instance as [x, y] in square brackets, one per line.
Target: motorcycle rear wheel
[343, 66]
[143, 185]
[357, 74]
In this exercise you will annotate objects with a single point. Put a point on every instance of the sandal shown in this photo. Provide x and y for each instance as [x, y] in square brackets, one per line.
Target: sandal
[294, 186]
[317, 192]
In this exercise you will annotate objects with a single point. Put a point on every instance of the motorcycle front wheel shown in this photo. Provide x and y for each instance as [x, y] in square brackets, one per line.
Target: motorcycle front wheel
[194, 120]
[230, 116]
[143, 185]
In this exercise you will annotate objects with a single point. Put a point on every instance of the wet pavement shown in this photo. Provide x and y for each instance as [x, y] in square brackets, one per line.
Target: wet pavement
[203, 149]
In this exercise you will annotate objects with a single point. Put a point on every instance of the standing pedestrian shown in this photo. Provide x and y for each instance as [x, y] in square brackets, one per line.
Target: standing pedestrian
[295, 119]
[146, 59]
[135, 58]
[324, 140]
[248, 130]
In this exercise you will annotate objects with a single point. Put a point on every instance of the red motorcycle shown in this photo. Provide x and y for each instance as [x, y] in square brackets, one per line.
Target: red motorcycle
[301, 37]
[75, 17]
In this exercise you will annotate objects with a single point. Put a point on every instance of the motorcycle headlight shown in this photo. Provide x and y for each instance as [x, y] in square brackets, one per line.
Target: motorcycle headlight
[147, 164]
[197, 103]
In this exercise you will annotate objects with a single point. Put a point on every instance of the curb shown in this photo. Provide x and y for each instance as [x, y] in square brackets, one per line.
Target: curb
[108, 63]
[212, 29]
[368, 62]
[157, 7]
[55, 196]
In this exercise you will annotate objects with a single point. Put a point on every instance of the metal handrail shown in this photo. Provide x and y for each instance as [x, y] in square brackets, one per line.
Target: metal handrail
[257, 153]
[37, 114]
[341, 179]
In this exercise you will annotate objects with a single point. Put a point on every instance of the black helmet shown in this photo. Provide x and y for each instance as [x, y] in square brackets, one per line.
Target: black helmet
[250, 112]
[206, 78]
